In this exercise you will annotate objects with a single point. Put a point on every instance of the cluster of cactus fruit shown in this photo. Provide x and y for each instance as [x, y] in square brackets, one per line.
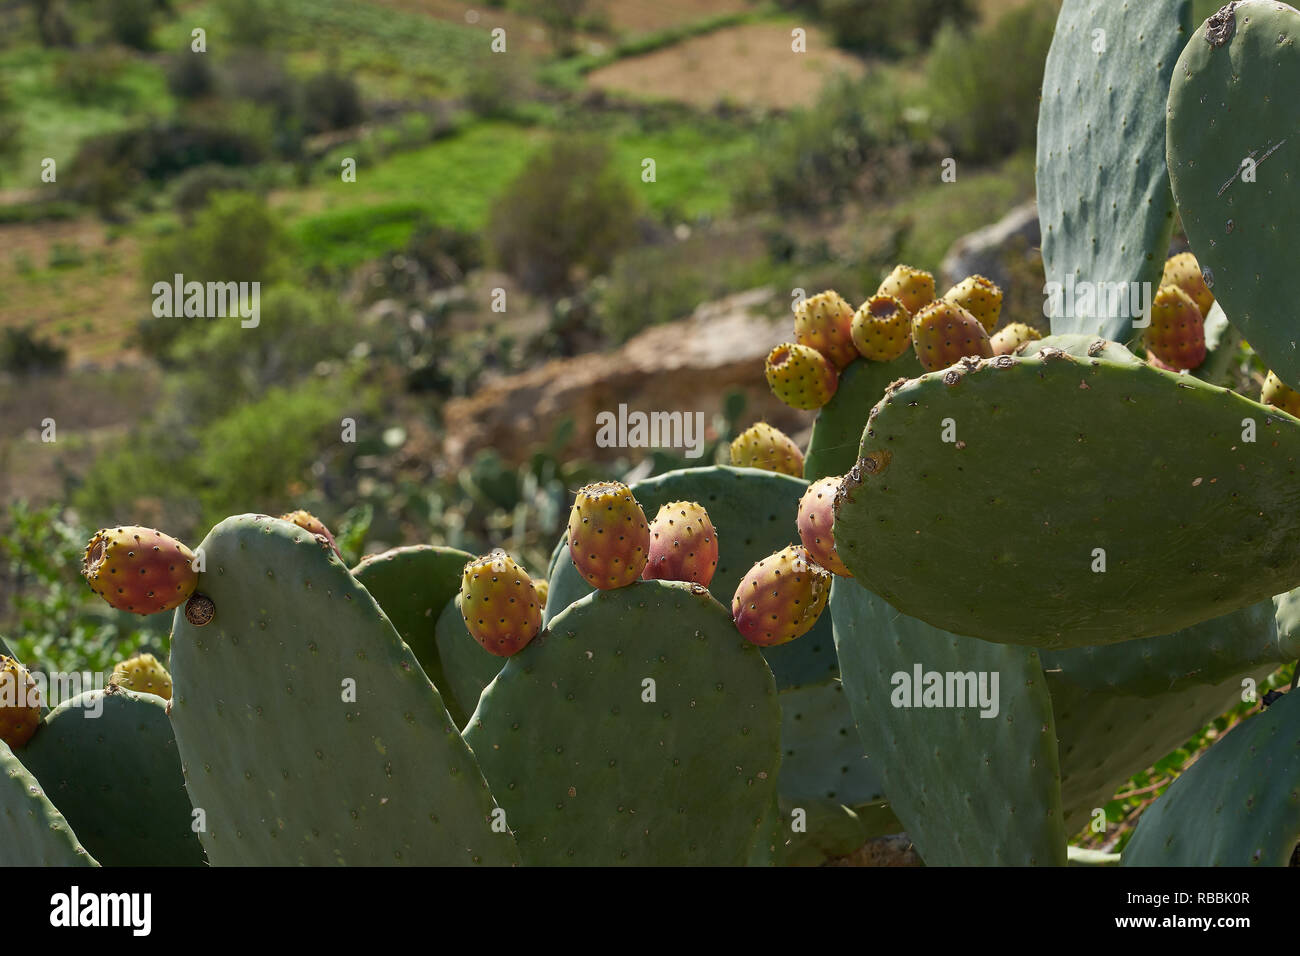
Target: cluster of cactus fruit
[1081, 535]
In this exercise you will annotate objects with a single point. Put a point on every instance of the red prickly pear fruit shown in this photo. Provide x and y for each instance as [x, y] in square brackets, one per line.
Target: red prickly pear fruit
[1280, 395]
[1011, 336]
[1176, 335]
[683, 545]
[824, 322]
[780, 598]
[499, 604]
[609, 539]
[1184, 271]
[762, 446]
[20, 703]
[1154, 361]
[139, 570]
[309, 522]
[944, 332]
[816, 518]
[801, 376]
[912, 287]
[980, 297]
[882, 329]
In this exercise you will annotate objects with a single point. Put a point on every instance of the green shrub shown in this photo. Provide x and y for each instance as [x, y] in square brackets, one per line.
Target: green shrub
[568, 209]
[984, 88]
[856, 140]
[891, 25]
[129, 22]
[250, 23]
[331, 101]
[190, 75]
[89, 76]
[22, 349]
[195, 187]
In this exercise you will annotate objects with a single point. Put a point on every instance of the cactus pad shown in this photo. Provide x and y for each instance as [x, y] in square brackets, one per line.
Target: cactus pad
[307, 730]
[116, 774]
[1104, 88]
[833, 448]
[969, 790]
[413, 585]
[1055, 464]
[32, 831]
[1238, 805]
[589, 772]
[1233, 100]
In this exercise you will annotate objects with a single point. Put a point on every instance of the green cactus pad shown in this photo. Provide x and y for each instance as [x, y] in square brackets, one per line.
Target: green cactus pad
[769, 844]
[969, 790]
[468, 667]
[833, 448]
[754, 514]
[413, 585]
[821, 755]
[1103, 188]
[32, 830]
[590, 774]
[1233, 98]
[1238, 805]
[1222, 341]
[994, 534]
[288, 768]
[109, 758]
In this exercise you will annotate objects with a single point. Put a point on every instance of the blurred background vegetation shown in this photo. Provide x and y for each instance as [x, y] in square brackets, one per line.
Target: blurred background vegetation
[475, 171]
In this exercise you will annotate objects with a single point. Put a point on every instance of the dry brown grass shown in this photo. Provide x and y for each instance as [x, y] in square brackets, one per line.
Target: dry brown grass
[91, 308]
[750, 65]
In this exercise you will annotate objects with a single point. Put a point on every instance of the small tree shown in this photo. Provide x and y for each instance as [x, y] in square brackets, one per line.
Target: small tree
[568, 209]
[561, 18]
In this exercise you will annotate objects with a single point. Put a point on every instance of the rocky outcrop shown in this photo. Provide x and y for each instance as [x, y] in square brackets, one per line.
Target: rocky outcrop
[686, 366]
[984, 252]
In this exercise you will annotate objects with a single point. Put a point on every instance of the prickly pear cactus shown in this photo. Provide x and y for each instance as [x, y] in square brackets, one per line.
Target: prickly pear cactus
[307, 730]
[1121, 707]
[109, 759]
[1236, 806]
[467, 667]
[1008, 500]
[970, 790]
[32, 830]
[1233, 130]
[413, 585]
[833, 448]
[1104, 88]
[595, 766]
[754, 514]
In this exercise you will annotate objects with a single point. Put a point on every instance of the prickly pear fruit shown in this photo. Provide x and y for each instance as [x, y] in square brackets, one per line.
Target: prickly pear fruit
[139, 570]
[1011, 336]
[912, 287]
[543, 588]
[1280, 395]
[1184, 271]
[143, 673]
[609, 539]
[762, 446]
[823, 322]
[1154, 361]
[801, 376]
[780, 598]
[980, 297]
[882, 329]
[944, 332]
[683, 544]
[1176, 335]
[816, 518]
[309, 522]
[500, 604]
[20, 703]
